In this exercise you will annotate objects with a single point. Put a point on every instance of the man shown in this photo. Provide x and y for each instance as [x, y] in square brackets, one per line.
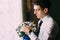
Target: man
[48, 28]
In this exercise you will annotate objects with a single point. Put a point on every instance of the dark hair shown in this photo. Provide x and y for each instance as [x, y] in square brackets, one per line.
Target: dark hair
[43, 3]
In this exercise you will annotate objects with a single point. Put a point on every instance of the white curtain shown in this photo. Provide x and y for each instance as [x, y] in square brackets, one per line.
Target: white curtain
[10, 18]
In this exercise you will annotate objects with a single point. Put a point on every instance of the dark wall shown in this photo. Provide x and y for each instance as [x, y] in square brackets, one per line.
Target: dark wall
[55, 10]
[55, 13]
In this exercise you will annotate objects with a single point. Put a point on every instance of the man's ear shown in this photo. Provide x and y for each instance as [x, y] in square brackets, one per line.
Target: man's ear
[46, 10]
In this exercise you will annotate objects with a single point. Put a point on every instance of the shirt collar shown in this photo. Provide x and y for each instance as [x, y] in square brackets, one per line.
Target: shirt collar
[44, 18]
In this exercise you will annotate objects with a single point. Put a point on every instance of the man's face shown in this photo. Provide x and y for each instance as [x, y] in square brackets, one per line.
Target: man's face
[39, 12]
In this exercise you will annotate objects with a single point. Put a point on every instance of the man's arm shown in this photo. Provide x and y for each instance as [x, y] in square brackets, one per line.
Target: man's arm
[54, 32]
[32, 36]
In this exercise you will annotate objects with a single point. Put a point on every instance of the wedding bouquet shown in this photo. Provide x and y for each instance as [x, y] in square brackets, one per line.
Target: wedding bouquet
[30, 24]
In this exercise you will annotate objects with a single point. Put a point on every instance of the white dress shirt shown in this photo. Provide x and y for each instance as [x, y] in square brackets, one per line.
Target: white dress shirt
[45, 29]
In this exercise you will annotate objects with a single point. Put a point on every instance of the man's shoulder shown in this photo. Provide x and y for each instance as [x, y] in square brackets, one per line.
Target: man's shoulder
[49, 20]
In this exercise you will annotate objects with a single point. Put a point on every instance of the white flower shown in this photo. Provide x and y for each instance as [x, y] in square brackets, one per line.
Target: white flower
[30, 24]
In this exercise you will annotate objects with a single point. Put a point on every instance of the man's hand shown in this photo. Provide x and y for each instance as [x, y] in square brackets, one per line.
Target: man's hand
[25, 28]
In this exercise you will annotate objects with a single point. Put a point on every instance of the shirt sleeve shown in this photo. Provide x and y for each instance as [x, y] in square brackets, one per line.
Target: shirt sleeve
[32, 36]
